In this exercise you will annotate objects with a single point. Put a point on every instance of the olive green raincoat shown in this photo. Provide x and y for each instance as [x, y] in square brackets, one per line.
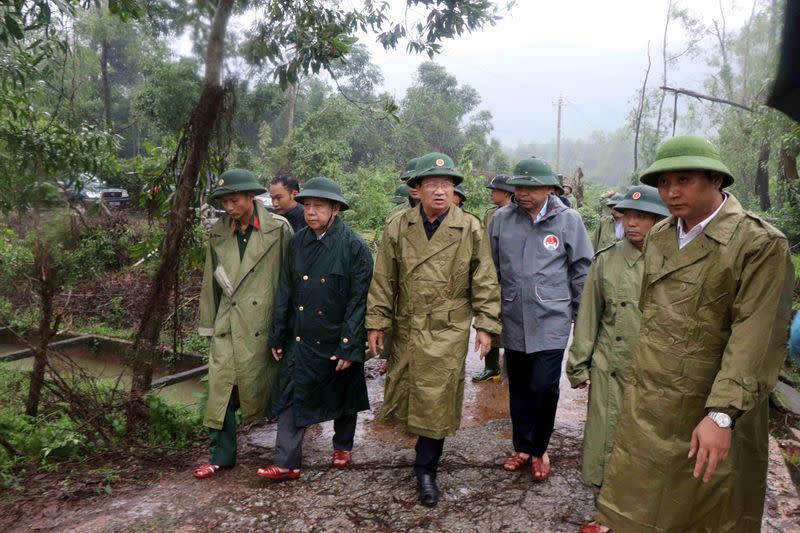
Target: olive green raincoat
[713, 336]
[604, 235]
[236, 304]
[439, 286]
[605, 332]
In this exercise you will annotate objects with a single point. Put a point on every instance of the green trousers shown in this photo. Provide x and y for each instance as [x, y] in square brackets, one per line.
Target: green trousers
[222, 450]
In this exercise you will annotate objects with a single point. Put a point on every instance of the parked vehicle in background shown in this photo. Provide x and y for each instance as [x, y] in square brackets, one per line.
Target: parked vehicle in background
[266, 201]
[89, 189]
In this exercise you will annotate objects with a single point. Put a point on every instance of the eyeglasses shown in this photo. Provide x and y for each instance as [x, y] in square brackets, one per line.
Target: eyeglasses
[434, 184]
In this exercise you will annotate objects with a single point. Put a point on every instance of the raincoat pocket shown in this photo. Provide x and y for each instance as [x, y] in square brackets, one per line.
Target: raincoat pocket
[552, 294]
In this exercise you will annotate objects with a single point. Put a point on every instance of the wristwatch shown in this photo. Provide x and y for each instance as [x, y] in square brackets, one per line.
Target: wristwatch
[721, 419]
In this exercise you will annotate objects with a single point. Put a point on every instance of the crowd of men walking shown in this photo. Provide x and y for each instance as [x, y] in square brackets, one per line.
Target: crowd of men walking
[680, 304]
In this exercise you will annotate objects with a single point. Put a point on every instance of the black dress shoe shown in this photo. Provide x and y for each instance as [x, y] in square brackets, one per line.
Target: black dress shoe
[428, 491]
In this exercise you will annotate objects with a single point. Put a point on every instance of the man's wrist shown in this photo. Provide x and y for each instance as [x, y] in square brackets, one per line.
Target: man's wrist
[722, 418]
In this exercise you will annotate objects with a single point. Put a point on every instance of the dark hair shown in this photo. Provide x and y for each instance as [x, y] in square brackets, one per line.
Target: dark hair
[290, 183]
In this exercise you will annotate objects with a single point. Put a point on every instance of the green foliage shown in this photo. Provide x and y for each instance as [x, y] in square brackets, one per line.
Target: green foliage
[590, 216]
[54, 436]
[368, 192]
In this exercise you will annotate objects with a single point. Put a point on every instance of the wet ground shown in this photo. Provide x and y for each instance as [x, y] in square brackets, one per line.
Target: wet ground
[378, 492]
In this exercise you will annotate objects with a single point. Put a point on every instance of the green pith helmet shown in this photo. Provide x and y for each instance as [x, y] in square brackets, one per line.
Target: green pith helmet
[535, 172]
[435, 164]
[500, 182]
[614, 200]
[322, 187]
[459, 191]
[686, 152]
[410, 168]
[400, 194]
[233, 181]
[643, 198]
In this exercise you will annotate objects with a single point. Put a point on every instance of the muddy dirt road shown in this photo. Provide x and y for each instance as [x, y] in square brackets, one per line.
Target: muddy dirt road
[378, 492]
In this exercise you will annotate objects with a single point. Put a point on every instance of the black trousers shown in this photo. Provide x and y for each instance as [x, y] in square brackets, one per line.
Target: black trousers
[429, 451]
[533, 395]
[289, 440]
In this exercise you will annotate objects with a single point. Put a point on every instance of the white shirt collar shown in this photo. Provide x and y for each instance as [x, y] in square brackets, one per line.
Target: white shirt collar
[685, 238]
[542, 212]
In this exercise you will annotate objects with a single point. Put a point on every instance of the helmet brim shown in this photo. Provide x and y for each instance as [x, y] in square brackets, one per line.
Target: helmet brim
[641, 205]
[219, 192]
[685, 162]
[533, 181]
[325, 195]
[417, 178]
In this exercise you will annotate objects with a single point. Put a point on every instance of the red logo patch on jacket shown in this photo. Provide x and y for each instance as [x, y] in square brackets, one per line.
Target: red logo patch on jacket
[551, 242]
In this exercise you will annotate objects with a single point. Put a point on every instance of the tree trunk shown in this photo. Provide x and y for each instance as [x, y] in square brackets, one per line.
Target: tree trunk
[198, 135]
[640, 112]
[762, 176]
[291, 105]
[43, 264]
[664, 73]
[789, 165]
[106, 85]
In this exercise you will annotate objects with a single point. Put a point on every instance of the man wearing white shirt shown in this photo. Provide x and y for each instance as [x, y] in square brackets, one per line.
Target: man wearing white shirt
[691, 447]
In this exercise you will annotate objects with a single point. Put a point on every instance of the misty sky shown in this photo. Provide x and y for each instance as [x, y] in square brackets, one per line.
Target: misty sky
[593, 53]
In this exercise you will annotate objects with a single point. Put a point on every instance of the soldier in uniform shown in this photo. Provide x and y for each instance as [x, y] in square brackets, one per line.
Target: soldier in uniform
[413, 194]
[318, 332]
[608, 325]
[573, 202]
[246, 248]
[542, 254]
[459, 196]
[401, 195]
[610, 228]
[433, 275]
[691, 446]
[502, 195]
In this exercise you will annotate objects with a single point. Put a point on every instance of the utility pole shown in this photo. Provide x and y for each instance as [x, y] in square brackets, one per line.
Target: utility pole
[558, 135]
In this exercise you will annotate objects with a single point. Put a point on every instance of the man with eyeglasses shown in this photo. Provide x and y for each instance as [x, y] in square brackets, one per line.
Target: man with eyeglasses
[433, 275]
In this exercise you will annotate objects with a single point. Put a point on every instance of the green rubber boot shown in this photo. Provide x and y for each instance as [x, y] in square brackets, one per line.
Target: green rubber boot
[491, 371]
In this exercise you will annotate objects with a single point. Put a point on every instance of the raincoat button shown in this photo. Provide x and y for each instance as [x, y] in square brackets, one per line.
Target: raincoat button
[318, 343]
[297, 339]
[322, 280]
[613, 374]
[221, 335]
[345, 340]
[233, 304]
[305, 278]
[255, 303]
[622, 304]
[301, 308]
[618, 339]
[671, 340]
[661, 392]
[258, 333]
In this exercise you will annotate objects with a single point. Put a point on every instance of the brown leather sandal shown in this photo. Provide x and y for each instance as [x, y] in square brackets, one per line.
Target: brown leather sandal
[341, 458]
[516, 462]
[274, 472]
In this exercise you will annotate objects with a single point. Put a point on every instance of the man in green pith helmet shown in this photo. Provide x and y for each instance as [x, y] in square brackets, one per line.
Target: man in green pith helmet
[691, 446]
[542, 254]
[459, 196]
[318, 332]
[246, 248]
[400, 195]
[607, 327]
[413, 194]
[433, 274]
[502, 195]
[610, 228]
